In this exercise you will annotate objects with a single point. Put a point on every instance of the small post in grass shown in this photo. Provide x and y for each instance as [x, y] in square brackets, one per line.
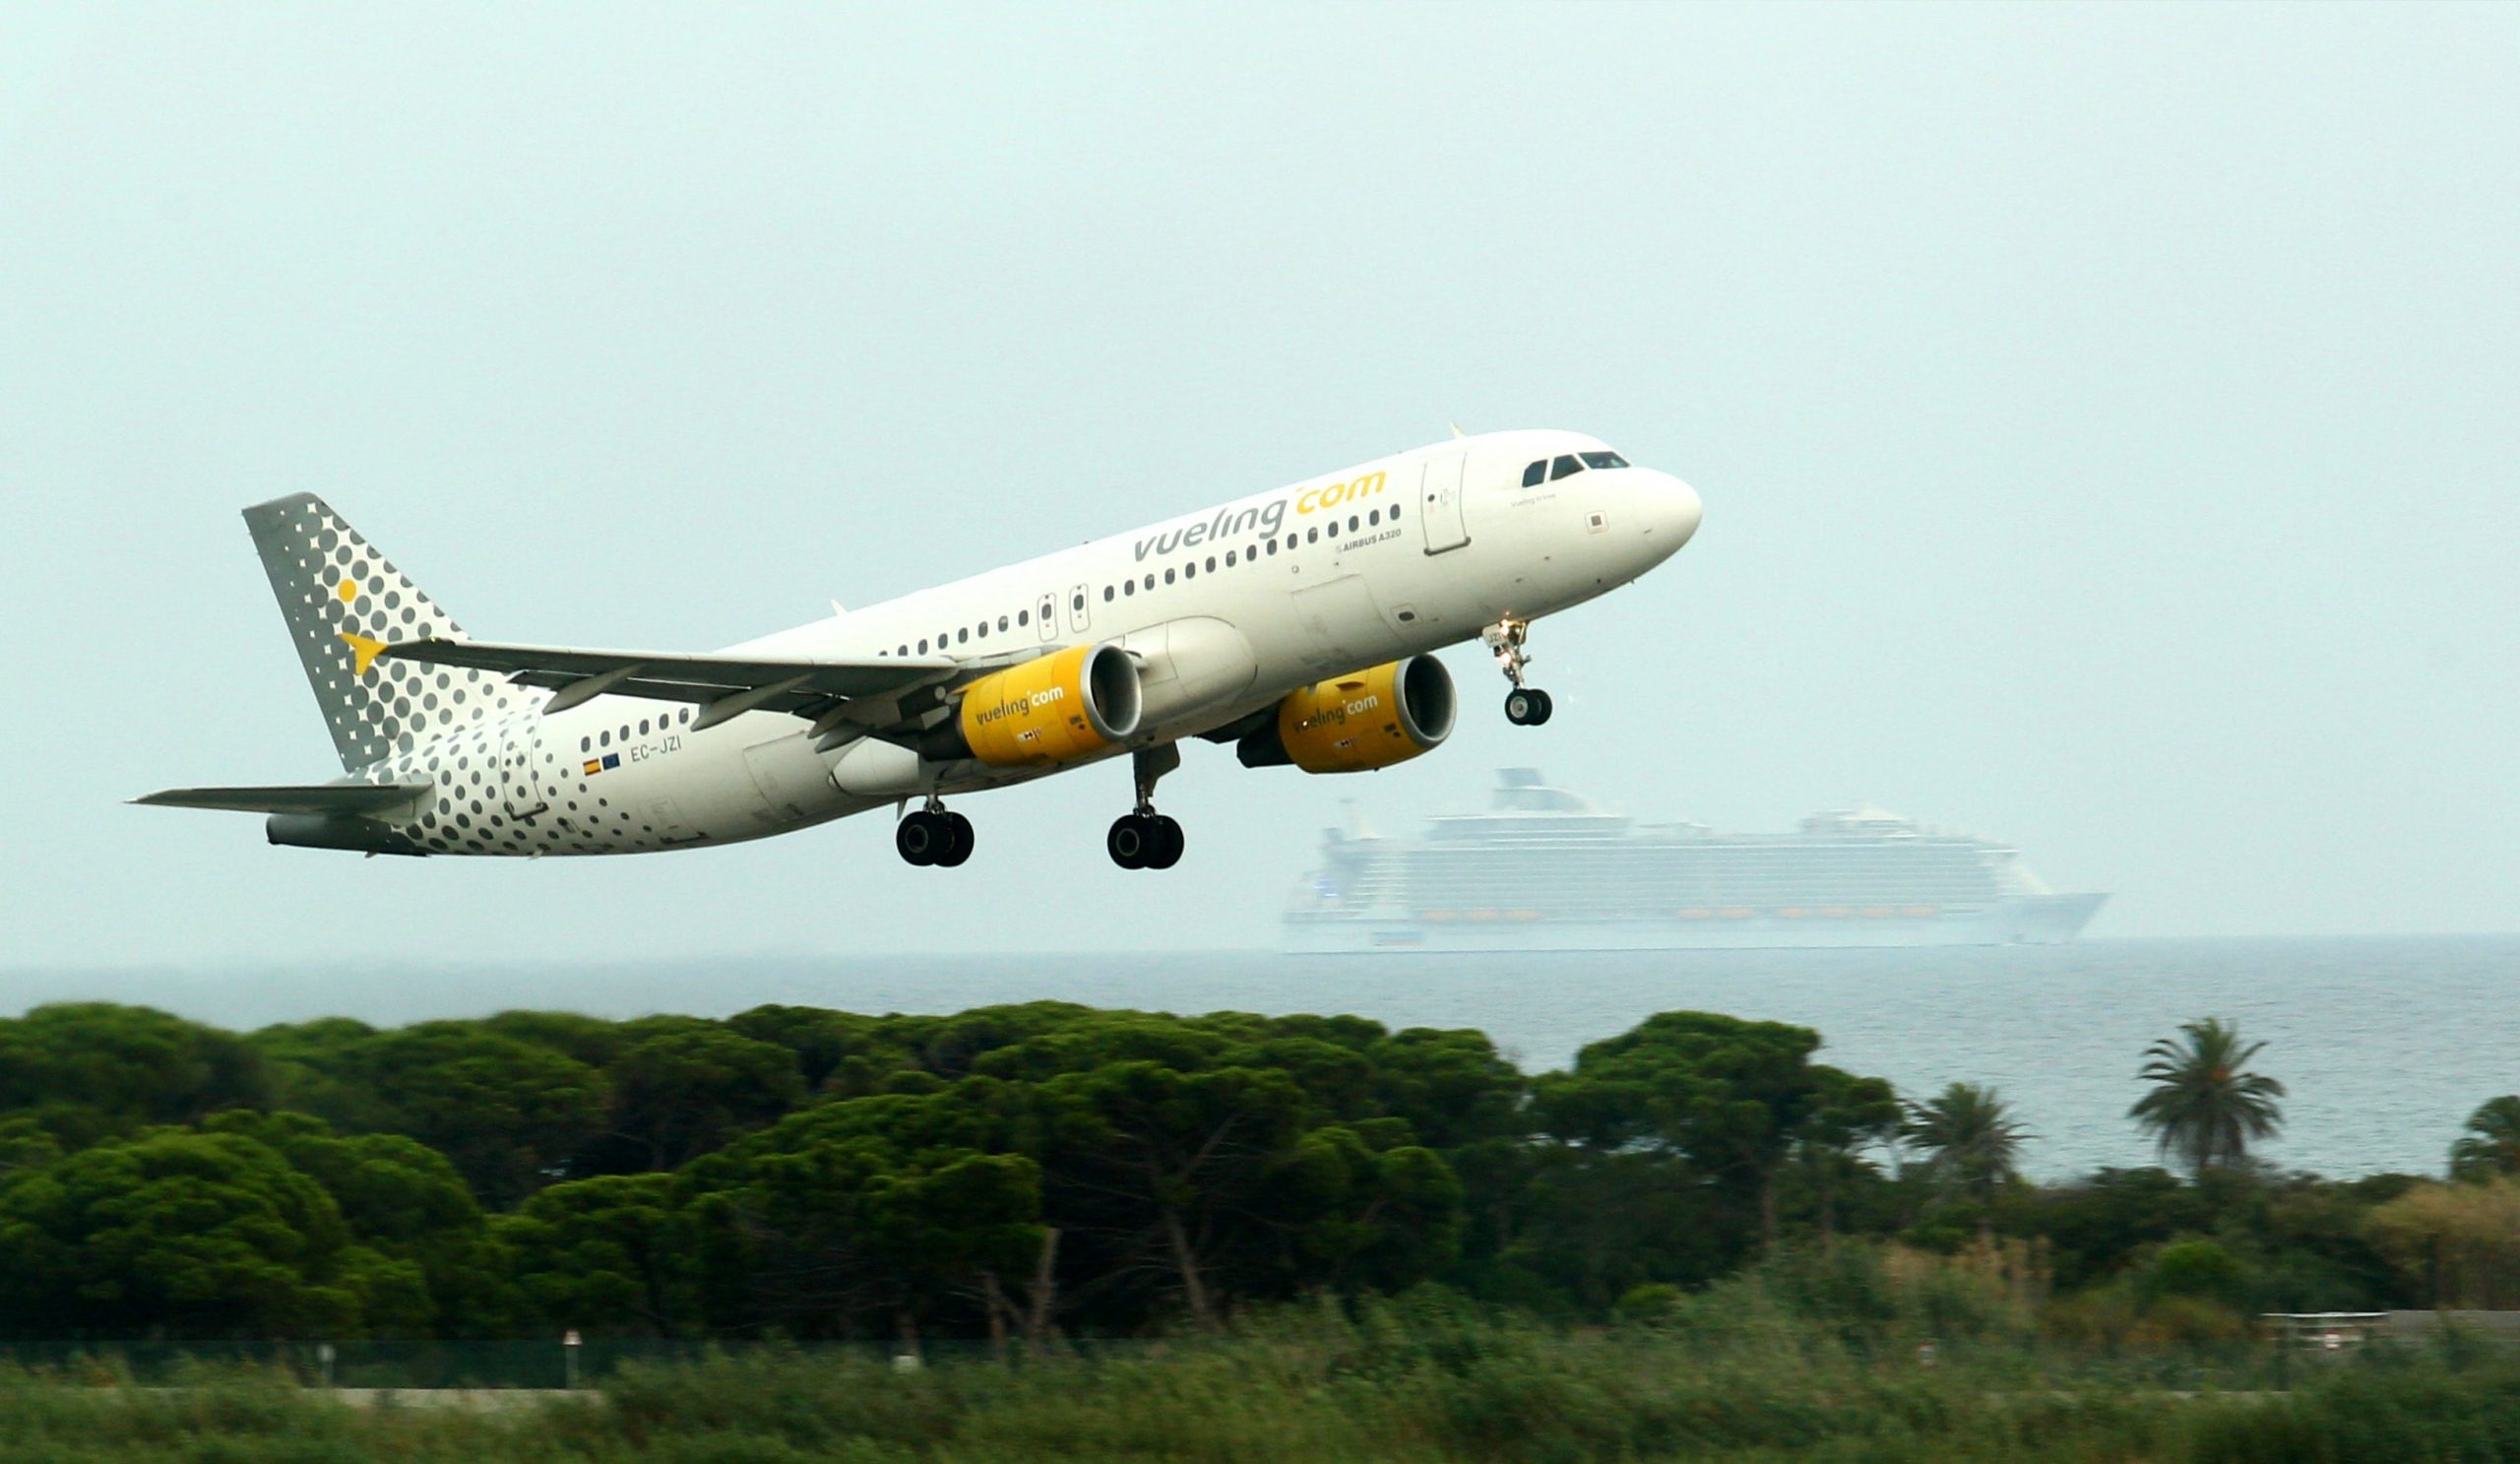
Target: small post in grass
[569, 1344]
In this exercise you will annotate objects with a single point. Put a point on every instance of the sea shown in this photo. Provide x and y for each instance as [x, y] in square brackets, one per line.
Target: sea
[2385, 1045]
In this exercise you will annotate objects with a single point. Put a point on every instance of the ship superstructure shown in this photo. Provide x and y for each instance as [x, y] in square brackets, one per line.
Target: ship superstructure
[1544, 869]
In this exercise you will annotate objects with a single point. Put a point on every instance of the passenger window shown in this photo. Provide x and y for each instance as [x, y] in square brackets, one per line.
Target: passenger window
[1272, 546]
[605, 741]
[984, 630]
[1168, 577]
[643, 726]
[1229, 559]
[1563, 467]
[1535, 473]
[1312, 536]
[922, 645]
[1107, 594]
[1602, 460]
[1079, 603]
[1190, 571]
[963, 637]
[1129, 587]
[1150, 582]
[1211, 564]
[1023, 617]
[1001, 622]
[904, 650]
[1373, 516]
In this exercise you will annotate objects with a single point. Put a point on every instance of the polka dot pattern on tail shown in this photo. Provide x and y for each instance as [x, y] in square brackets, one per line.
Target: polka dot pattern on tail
[333, 584]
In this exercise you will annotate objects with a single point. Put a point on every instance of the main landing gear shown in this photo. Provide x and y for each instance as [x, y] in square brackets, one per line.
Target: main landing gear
[1525, 706]
[934, 836]
[1145, 839]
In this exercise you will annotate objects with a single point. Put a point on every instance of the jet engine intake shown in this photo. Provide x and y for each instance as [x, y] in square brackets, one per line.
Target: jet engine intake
[1358, 722]
[1056, 709]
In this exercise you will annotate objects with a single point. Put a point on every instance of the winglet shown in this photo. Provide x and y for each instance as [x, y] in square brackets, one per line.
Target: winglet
[1458, 433]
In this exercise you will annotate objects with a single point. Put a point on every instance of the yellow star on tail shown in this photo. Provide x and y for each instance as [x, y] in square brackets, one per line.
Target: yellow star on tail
[362, 650]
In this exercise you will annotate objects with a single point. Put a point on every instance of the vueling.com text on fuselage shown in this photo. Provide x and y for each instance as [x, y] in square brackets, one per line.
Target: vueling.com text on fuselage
[1262, 518]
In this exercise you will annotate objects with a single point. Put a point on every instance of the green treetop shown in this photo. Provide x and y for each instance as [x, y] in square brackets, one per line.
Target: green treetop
[2205, 1107]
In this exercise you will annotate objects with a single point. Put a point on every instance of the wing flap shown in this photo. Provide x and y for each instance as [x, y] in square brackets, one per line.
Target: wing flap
[559, 665]
[316, 798]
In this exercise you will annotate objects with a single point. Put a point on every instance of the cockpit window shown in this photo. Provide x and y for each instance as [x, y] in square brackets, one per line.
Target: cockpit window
[1603, 460]
[1535, 473]
[1564, 466]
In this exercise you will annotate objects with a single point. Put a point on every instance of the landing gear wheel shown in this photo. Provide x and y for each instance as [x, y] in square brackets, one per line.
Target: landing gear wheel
[1131, 842]
[1168, 844]
[1547, 708]
[923, 838]
[1526, 707]
[958, 840]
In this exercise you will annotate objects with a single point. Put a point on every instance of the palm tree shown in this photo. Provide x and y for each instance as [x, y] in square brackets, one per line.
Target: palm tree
[2203, 1107]
[1970, 1139]
[2492, 1145]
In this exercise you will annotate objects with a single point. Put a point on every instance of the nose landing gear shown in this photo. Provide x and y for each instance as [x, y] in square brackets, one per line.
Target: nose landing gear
[1525, 706]
[934, 836]
[1145, 839]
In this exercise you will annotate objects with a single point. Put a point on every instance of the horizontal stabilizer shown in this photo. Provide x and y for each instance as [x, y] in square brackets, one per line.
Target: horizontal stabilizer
[317, 798]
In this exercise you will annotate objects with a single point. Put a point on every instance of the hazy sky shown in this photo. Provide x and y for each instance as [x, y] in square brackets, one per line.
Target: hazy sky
[2106, 418]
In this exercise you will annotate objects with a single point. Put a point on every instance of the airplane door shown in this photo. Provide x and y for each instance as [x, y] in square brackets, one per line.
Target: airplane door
[1439, 494]
[1047, 616]
[519, 791]
[1077, 616]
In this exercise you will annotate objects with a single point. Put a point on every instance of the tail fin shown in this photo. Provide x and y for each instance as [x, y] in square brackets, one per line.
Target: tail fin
[344, 602]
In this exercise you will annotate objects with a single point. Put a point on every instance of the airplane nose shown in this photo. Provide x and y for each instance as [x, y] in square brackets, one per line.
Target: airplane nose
[1669, 509]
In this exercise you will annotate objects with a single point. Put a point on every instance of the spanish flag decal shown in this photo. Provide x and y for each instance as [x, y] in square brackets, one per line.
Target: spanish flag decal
[595, 765]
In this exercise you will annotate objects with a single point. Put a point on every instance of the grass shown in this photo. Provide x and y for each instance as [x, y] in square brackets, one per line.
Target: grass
[1817, 1364]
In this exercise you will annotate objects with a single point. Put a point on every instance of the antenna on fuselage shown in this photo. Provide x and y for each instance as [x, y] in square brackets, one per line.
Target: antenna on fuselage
[1458, 433]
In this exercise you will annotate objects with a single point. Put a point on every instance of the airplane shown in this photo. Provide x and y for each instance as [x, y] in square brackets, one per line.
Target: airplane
[1297, 625]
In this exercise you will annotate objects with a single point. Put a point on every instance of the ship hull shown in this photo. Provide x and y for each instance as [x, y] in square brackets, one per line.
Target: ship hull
[2026, 920]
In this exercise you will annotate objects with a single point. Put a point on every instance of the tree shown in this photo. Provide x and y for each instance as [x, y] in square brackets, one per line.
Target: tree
[201, 1234]
[2460, 1241]
[1452, 1086]
[1848, 1116]
[1972, 1145]
[1159, 1163]
[508, 1113]
[1731, 1097]
[404, 1202]
[679, 1094]
[611, 1253]
[90, 1068]
[834, 1051]
[2491, 1144]
[866, 1208]
[2204, 1107]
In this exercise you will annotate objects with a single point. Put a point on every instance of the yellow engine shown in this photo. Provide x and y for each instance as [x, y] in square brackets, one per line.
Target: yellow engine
[1060, 708]
[1358, 722]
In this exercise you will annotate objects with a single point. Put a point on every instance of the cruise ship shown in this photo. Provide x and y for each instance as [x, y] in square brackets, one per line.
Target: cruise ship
[1548, 869]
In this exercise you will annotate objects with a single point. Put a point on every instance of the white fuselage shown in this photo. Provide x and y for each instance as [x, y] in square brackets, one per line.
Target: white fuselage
[1225, 610]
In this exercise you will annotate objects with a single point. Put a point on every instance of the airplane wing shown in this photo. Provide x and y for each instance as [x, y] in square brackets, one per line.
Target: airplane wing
[726, 687]
[314, 798]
